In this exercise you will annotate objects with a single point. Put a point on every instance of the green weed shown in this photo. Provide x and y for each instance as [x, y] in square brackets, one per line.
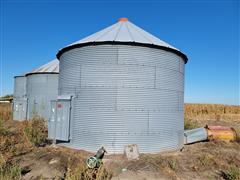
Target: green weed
[188, 124]
[173, 164]
[233, 173]
[10, 172]
[84, 173]
[36, 131]
[206, 160]
[3, 130]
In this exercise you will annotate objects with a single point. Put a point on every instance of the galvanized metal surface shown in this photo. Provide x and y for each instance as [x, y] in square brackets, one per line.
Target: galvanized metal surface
[19, 109]
[41, 89]
[124, 31]
[59, 121]
[20, 87]
[52, 120]
[62, 123]
[19, 96]
[124, 95]
[50, 67]
[33, 98]
[195, 135]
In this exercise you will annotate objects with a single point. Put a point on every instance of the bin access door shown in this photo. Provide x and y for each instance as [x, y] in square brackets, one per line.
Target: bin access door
[63, 108]
[20, 109]
[59, 120]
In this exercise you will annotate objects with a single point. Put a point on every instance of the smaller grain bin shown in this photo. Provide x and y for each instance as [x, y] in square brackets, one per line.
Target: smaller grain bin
[41, 89]
[20, 98]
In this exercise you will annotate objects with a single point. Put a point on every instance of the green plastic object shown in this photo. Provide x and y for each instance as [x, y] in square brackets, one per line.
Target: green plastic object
[92, 162]
[96, 161]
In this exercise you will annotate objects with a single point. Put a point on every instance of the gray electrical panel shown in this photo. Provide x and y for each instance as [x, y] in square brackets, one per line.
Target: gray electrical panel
[20, 109]
[59, 121]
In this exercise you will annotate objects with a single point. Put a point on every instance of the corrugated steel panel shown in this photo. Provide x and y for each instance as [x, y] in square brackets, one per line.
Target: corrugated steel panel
[117, 75]
[41, 89]
[182, 65]
[101, 97]
[181, 101]
[70, 85]
[19, 96]
[119, 87]
[114, 129]
[20, 87]
[148, 57]
[169, 79]
[147, 99]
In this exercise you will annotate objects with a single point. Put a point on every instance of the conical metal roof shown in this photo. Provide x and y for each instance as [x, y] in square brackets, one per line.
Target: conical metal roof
[50, 67]
[123, 32]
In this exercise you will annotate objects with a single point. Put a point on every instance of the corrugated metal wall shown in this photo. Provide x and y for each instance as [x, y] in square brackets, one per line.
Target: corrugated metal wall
[19, 98]
[20, 87]
[124, 95]
[41, 89]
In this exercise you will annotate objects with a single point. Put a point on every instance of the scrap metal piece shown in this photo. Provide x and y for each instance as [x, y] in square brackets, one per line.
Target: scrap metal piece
[195, 135]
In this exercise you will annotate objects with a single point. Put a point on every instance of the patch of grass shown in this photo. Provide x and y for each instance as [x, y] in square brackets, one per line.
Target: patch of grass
[5, 111]
[189, 124]
[3, 130]
[173, 164]
[13, 142]
[10, 171]
[82, 173]
[36, 131]
[206, 160]
[2, 160]
[232, 173]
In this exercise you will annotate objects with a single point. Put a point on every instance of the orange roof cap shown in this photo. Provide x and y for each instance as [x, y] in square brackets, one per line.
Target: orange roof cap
[123, 19]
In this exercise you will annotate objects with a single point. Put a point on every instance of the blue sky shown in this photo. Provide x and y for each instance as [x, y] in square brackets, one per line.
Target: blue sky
[207, 31]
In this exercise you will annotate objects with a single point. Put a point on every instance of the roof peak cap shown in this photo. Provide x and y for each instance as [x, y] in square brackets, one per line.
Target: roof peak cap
[122, 19]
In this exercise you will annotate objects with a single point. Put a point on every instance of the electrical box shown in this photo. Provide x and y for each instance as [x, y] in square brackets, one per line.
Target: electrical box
[20, 109]
[59, 121]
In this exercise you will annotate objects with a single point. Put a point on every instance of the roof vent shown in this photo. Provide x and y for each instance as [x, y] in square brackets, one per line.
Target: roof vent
[123, 19]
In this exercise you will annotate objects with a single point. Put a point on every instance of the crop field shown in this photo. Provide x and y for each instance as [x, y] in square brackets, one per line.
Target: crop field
[25, 152]
[200, 115]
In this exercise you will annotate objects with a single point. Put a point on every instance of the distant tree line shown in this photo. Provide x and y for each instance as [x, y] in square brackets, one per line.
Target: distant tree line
[7, 97]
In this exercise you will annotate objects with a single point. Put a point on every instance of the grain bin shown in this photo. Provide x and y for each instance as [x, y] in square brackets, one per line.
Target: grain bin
[120, 86]
[42, 88]
[20, 98]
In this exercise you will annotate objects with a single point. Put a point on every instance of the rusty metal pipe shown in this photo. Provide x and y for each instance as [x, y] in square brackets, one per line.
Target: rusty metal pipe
[225, 133]
[221, 133]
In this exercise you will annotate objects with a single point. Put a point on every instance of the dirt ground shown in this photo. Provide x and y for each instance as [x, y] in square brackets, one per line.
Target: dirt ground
[203, 160]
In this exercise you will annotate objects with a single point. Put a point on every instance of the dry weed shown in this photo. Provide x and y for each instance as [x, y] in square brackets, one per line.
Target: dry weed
[5, 111]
